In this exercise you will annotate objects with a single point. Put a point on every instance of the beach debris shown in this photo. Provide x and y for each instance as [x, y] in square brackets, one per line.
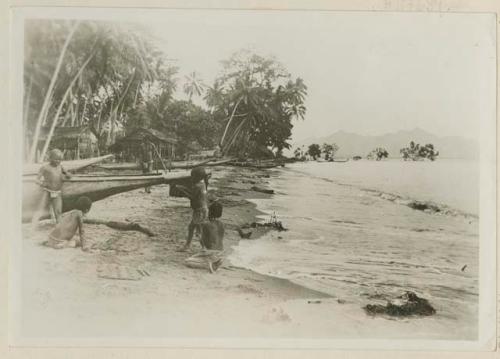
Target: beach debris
[272, 225]
[143, 272]
[118, 272]
[424, 206]
[314, 302]
[262, 190]
[408, 304]
[341, 301]
[122, 226]
[244, 235]
[463, 268]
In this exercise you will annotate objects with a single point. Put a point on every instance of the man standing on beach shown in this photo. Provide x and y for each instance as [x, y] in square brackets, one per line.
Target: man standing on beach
[146, 162]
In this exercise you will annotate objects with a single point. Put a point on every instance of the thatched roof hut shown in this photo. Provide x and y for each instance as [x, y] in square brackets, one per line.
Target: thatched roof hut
[132, 146]
[75, 142]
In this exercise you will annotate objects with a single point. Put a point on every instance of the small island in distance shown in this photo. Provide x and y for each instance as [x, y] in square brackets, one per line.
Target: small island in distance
[353, 145]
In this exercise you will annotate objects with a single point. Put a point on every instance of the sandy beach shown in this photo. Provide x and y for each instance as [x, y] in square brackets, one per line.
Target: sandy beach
[66, 295]
[63, 287]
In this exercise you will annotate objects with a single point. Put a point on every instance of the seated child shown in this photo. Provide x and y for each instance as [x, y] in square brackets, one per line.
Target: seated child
[62, 235]
[212, 232]
[212, 235]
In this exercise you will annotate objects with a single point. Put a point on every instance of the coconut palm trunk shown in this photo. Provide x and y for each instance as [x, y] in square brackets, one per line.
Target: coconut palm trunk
[48, 95]
[229, 121]
[63, 100]
[233, 137]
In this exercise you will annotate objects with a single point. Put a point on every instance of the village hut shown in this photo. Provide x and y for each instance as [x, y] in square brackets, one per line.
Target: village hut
[75, 142]
[131, 146]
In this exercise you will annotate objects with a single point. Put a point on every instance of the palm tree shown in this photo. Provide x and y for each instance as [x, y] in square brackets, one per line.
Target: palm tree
[193, 85]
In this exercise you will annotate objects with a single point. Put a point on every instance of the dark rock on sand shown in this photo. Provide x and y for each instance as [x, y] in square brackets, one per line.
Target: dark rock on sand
[408, 304]
[424, 206]
[277, 225]
[244, 235]
[262, 190]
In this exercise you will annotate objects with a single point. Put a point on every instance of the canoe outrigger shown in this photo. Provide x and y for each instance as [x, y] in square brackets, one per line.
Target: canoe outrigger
[33, 168]
[173, 165]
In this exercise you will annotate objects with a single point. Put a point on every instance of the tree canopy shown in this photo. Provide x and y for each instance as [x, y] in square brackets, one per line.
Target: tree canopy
[111, 77]
[378, 154]
[87, 73]
[314, 150]
[329, 150]
[257, 98]
[416, 152]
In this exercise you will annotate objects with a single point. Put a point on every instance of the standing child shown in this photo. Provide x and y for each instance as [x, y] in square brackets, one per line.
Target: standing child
[61, 236]
[53, 175]
[199, 203]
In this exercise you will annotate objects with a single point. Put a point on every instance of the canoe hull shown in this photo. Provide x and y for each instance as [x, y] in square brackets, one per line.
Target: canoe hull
[94, 187]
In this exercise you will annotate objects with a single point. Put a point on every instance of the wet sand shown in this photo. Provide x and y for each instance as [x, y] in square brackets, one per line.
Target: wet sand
[65, 296]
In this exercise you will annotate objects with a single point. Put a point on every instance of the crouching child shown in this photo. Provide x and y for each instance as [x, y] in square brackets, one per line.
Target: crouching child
[71, 222]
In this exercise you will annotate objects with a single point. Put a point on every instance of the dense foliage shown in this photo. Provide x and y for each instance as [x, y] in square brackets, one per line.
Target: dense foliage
[314, 150]
[416, 152]
[258, 98]
[378, 154]
[329, 150]
[111, 78]
[87, 73]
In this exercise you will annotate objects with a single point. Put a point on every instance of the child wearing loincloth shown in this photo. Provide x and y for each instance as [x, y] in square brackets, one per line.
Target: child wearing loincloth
[62, 235]
[53, 175]
[212, 235]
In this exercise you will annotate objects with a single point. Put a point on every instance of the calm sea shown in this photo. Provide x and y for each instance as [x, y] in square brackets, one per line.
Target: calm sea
[348, 241]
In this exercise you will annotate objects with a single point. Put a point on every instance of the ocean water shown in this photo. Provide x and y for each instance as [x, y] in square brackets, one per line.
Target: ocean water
[347, 240]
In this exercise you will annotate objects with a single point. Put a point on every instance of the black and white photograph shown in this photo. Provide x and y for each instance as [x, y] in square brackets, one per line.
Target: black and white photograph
[254, 178]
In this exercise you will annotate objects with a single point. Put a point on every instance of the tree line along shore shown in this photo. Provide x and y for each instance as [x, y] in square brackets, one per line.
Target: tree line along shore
[413, 152]
[90, 84]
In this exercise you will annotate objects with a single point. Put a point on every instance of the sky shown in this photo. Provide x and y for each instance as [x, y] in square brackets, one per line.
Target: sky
[368, 73]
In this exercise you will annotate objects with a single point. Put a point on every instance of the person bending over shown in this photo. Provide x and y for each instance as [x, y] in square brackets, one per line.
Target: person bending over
[70, 222]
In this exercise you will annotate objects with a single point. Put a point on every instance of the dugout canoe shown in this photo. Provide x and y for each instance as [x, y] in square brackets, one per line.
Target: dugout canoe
[74, 165]
[208, 163]
[96, 187]
[259, 165]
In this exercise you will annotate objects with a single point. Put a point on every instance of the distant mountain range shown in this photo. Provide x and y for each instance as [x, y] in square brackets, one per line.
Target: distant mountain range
[351, 144]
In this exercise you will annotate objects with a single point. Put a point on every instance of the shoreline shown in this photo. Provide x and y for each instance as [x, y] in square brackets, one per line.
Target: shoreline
[68, 286]
[430, 206]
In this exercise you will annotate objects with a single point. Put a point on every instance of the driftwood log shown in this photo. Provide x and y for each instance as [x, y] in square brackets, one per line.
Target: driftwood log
[123, 226]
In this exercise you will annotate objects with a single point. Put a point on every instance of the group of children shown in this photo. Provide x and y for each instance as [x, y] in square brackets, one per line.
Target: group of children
[205, 216]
